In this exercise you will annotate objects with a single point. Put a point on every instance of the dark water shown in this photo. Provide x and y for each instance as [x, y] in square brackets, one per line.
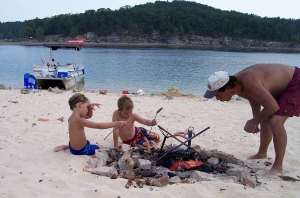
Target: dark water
[153, 70]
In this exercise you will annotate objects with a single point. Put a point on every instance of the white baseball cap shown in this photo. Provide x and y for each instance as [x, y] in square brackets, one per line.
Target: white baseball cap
[215, 82]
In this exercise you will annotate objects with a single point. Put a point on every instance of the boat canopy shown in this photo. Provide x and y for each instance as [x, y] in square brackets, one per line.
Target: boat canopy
[63, 46]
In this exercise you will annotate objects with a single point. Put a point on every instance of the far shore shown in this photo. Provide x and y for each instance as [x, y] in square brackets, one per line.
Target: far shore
[168, 45]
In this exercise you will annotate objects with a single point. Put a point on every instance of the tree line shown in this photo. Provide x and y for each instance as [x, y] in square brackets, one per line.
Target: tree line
[176, 18]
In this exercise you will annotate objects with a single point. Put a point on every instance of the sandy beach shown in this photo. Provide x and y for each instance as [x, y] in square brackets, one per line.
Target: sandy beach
[30, 168]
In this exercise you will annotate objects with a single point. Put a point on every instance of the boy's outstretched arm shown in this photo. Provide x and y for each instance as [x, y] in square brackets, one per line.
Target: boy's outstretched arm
[144, 121]
[100, 125]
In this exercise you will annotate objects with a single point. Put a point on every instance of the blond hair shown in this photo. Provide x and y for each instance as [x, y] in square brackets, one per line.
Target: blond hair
[125, 103]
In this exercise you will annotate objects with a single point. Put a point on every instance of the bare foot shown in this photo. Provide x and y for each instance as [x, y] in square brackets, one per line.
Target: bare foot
[272, 172]
[258, 156]
[275, 171]
[60, 148]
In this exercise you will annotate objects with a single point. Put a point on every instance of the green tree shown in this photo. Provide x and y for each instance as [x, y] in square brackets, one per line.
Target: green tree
[27, 31]
[39, 33]
[73, 32]
[9, 35]
[295, 40]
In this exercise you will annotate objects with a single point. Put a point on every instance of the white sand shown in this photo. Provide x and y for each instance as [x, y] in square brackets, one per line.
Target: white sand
[29, 167]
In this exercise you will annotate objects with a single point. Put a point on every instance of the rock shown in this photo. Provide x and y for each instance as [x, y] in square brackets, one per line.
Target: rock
[248, 182]
[102, 156]
[93, 163]
[189, 181]
[175, 180]
[104, 92]
[200, 176]
[126, 162]
[143, 164]
[103, 171]
[24, 91]
[160, 182]
[239, 172]
[213, 160]
[221, 155]
[55, 90]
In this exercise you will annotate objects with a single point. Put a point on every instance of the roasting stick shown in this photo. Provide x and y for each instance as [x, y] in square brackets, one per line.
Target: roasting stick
[159, 110]
[111, 132]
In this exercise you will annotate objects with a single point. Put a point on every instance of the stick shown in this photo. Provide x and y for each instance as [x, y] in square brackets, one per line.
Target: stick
[111, 132]
[178, 139]
[159, 110]
[179, 146]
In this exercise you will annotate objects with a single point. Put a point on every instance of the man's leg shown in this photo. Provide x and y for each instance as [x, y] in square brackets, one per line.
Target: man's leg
[265, 139]
[280, 142]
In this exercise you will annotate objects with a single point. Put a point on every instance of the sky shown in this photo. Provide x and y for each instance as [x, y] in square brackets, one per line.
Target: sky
[20, 10]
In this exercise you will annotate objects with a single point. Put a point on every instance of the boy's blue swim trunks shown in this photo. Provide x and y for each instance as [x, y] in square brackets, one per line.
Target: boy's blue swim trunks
[89, 149]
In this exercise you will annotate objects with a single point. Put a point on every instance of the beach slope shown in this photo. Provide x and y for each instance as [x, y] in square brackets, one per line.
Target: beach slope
[32, 125]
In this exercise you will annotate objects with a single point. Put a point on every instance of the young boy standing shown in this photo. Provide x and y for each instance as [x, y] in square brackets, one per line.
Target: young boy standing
[130, 134]
[83, 110]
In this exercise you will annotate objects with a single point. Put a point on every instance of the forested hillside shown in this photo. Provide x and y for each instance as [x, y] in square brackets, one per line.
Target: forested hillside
[167, 19]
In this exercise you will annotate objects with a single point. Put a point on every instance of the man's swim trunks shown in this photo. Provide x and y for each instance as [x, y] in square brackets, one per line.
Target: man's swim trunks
[89, 149]
[138, 137]
[289, 100]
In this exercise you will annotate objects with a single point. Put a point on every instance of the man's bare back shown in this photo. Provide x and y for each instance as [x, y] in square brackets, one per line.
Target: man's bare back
[273, 77]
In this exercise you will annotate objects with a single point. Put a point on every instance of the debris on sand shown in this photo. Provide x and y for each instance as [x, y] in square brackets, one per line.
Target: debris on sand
[55, 90]
[175, 93]
[2, 86]
[288, 178]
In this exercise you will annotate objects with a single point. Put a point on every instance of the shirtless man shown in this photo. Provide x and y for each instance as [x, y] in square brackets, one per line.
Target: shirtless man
[273, 87]
[129, 134]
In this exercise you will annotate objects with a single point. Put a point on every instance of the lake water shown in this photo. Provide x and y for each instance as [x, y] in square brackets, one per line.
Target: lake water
[153, 70]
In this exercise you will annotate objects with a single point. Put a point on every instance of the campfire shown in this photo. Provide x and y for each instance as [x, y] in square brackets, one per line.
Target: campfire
[169, 164]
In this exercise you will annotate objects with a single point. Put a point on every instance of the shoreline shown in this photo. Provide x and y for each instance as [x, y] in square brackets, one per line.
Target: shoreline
[210, 47]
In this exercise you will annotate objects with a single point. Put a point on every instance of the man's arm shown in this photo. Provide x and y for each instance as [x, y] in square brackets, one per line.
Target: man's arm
[256, 107]
[259, 96]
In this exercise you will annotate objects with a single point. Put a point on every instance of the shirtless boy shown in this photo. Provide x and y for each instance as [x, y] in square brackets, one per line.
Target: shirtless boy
[273, 87]
[129, 133]
[83, 110]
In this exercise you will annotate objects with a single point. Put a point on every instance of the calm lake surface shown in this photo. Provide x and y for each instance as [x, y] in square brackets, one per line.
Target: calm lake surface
[153, 70]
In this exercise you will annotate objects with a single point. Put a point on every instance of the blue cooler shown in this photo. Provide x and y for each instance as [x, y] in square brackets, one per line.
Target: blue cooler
[29, 81]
